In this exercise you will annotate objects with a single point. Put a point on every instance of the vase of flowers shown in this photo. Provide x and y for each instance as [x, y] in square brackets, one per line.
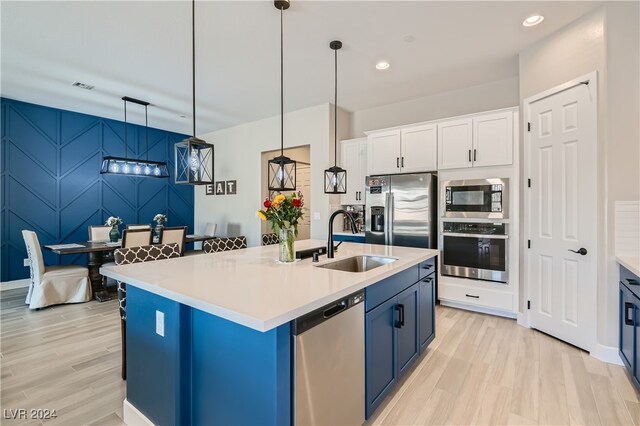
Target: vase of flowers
[284, 212]
[114, 222]
[160, 219]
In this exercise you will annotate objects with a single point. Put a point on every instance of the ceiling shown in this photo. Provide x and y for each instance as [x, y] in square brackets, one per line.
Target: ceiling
[142, 49]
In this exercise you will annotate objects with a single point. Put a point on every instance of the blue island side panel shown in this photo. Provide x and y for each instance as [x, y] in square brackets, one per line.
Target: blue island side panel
[205, 370]
[240, 376]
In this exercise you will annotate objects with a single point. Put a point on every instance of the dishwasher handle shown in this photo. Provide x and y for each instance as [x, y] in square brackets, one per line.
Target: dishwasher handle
[334, 310]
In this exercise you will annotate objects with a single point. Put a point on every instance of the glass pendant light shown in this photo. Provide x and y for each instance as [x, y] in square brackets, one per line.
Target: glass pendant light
[126, 166]
[193, 156]
[335, 178]
[281, 169]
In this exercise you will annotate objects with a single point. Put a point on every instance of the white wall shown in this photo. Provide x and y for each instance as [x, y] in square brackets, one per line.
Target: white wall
[484, 97]
[605, 40]
[238, 156]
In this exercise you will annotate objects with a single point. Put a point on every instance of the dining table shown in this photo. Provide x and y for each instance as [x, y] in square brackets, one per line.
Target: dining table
[98, 252]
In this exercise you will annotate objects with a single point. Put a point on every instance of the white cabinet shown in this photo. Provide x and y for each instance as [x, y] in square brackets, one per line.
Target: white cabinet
[384, 152]
[484, 140]
[354, 161]
[408, 150]
[419, 149]
[455, 143]
[493, 139]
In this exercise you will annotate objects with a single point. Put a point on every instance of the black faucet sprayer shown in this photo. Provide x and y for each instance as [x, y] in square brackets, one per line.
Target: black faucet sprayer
[354, 229]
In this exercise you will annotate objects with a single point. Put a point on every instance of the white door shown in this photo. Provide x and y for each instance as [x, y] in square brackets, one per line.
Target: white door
[384, 152]
[419, 149]
[561, 213]
[455, 144]
[493, 139]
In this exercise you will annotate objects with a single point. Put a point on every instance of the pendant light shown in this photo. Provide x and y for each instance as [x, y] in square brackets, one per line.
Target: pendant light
[281, 170]
[335, 178]
[193, 156]
[126, 166]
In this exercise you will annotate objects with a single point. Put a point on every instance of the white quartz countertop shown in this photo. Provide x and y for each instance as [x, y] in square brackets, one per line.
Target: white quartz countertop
[632, 263]
[250, 287]
[349, 233]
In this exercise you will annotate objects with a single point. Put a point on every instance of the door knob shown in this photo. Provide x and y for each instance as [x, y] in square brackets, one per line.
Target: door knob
[582, 251]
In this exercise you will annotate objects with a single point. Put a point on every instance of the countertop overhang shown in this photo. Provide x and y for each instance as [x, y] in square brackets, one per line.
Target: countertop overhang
[250, 287]
[631, 262]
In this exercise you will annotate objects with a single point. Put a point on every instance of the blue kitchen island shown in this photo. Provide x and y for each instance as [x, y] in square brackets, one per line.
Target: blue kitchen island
[209, 337]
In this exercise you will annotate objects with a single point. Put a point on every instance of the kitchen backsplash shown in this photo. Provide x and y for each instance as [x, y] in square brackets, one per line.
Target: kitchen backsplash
[627, 227]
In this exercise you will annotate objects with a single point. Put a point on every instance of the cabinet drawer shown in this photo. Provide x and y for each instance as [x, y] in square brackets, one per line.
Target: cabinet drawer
[390, 287]
[427, 267]
[631, 281]
[473, 295]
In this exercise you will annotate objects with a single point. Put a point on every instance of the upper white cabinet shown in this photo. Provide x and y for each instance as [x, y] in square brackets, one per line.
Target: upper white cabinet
[419, 149]
[407, 150]
[493, 139]
[354, 161]
[384, 152]
[484, 140]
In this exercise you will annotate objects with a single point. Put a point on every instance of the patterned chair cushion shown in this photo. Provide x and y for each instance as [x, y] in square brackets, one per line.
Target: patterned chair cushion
[224, 244]
[270, 239]
[126, 256]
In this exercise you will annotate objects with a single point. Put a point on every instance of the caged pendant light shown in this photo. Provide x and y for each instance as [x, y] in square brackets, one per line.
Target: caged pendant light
[335, 178]
[193, 156]
[281, 169]
[125, 166]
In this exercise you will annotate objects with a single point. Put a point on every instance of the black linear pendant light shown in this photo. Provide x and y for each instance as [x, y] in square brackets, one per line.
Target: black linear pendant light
[193, 156]
[335, 178]
[126, 166]
[281, 169]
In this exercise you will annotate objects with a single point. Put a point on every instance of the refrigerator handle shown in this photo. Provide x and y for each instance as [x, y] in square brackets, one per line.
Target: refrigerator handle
[391, 218]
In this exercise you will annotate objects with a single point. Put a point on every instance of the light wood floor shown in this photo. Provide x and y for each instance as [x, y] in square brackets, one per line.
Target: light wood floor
[479, 370]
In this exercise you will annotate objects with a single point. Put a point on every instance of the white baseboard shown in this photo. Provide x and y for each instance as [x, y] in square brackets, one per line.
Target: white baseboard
[523, 319]
[10, 285]
[606, 353]
[133, 417]
[475, 308]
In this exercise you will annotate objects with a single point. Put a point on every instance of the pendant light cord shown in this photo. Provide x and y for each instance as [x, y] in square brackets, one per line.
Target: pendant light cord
[335, 113]
[146, 126]
[281, 83]
[126, 144]
[193, 63]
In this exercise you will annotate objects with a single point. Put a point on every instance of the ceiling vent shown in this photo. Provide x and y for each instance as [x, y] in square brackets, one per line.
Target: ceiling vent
[82, 85]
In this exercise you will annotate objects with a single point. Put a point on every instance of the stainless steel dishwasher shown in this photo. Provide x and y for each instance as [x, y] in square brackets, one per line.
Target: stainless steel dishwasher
[329, 364]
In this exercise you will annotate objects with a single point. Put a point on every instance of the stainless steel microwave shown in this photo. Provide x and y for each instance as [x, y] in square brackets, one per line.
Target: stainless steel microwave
[476, 198]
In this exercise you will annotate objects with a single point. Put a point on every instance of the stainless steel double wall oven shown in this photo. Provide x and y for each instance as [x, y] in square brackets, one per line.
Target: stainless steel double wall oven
[477, 249]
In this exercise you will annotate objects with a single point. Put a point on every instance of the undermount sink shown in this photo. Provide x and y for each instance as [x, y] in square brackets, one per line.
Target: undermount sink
[362, 263]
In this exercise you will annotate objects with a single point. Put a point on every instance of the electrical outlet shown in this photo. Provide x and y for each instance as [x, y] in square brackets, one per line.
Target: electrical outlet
[26, 262]
[160, 323]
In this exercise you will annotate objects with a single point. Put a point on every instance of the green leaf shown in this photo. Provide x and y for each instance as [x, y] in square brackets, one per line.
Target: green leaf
[286, 224]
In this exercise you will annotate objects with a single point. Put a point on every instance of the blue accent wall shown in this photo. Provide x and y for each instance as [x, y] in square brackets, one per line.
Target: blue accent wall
[51, 181]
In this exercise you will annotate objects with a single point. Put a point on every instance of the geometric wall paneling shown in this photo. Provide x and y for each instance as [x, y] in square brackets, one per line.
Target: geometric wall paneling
[51, 182]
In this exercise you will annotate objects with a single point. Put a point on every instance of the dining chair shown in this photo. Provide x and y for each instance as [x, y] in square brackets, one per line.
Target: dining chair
[136, 237]
[210, 229]
[129, 255]
[140, 226]
[175, 234]
[99, 232]
[215, 245]
[270, 239]
[53, 285]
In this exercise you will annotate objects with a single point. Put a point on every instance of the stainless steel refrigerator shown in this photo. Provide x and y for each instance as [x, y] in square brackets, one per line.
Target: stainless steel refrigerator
[401, 210]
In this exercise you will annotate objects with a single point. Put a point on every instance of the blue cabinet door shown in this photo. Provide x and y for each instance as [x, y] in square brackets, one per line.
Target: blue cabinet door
[627, 328]
[381, 372]
[426, 311]
[407, 339]
[636, 375]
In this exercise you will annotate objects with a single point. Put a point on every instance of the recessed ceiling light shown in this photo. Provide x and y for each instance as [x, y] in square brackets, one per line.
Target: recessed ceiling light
[382, 65]
[533, 20]
[409, 38]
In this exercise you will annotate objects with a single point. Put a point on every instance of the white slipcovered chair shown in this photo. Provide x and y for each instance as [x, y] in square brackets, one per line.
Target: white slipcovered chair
[53, 285]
